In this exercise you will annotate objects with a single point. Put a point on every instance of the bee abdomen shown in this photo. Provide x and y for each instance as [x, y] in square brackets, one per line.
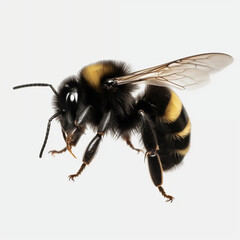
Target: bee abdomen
[176, 119]
[172, 125]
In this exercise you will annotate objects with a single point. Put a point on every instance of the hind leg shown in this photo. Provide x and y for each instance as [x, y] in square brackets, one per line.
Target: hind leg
[154, 162]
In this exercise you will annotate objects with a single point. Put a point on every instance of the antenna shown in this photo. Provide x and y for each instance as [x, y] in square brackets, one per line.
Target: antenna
[37, 85]
[47, 132]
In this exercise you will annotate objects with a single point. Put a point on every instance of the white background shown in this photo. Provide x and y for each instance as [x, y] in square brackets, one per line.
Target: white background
[46, 41]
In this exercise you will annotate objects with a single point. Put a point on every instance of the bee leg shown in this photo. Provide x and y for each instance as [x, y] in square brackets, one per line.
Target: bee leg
[129, 143]
[93, 145]
[70, 140]
[53, 152]
[154, 162]
[74, 135]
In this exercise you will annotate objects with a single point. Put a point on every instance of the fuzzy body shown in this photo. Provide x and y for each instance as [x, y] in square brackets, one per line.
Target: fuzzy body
[168, 117]
[170, 122]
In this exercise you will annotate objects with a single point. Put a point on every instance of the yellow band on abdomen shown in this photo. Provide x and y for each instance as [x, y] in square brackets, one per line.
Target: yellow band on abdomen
[185, 131]
[183, 151]
[173, 109]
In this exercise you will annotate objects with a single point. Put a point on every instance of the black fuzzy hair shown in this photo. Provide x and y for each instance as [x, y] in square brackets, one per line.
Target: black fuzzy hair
[120, 99]
[63, 89]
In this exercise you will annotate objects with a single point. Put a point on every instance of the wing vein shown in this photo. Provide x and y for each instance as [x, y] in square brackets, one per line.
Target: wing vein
[185, 73]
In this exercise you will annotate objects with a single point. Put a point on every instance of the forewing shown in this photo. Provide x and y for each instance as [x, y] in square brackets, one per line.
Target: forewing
[186, 73]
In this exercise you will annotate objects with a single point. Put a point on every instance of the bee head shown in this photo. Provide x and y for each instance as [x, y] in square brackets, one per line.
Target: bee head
[67, 102]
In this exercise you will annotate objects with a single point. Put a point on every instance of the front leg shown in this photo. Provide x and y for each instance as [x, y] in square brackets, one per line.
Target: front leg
[93, 145]
[74, 135]
[71, 141]
[76, 132]
[53, 152]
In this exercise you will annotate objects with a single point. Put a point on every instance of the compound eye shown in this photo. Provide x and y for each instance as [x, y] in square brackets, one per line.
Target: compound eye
[72, 97]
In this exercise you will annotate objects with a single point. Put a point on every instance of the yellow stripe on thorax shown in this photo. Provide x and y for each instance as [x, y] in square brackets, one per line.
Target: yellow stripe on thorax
[173, 109]
[94, 72]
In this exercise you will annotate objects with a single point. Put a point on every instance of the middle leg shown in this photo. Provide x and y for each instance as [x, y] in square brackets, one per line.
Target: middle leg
[127, 139]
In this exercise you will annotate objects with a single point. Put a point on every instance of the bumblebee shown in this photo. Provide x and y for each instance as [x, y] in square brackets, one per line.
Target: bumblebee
[101, 96]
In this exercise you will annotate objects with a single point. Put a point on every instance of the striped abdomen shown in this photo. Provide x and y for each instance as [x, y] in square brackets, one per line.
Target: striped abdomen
[172, 124]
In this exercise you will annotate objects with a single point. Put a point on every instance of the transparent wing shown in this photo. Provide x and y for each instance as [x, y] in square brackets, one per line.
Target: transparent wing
[186, 73]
